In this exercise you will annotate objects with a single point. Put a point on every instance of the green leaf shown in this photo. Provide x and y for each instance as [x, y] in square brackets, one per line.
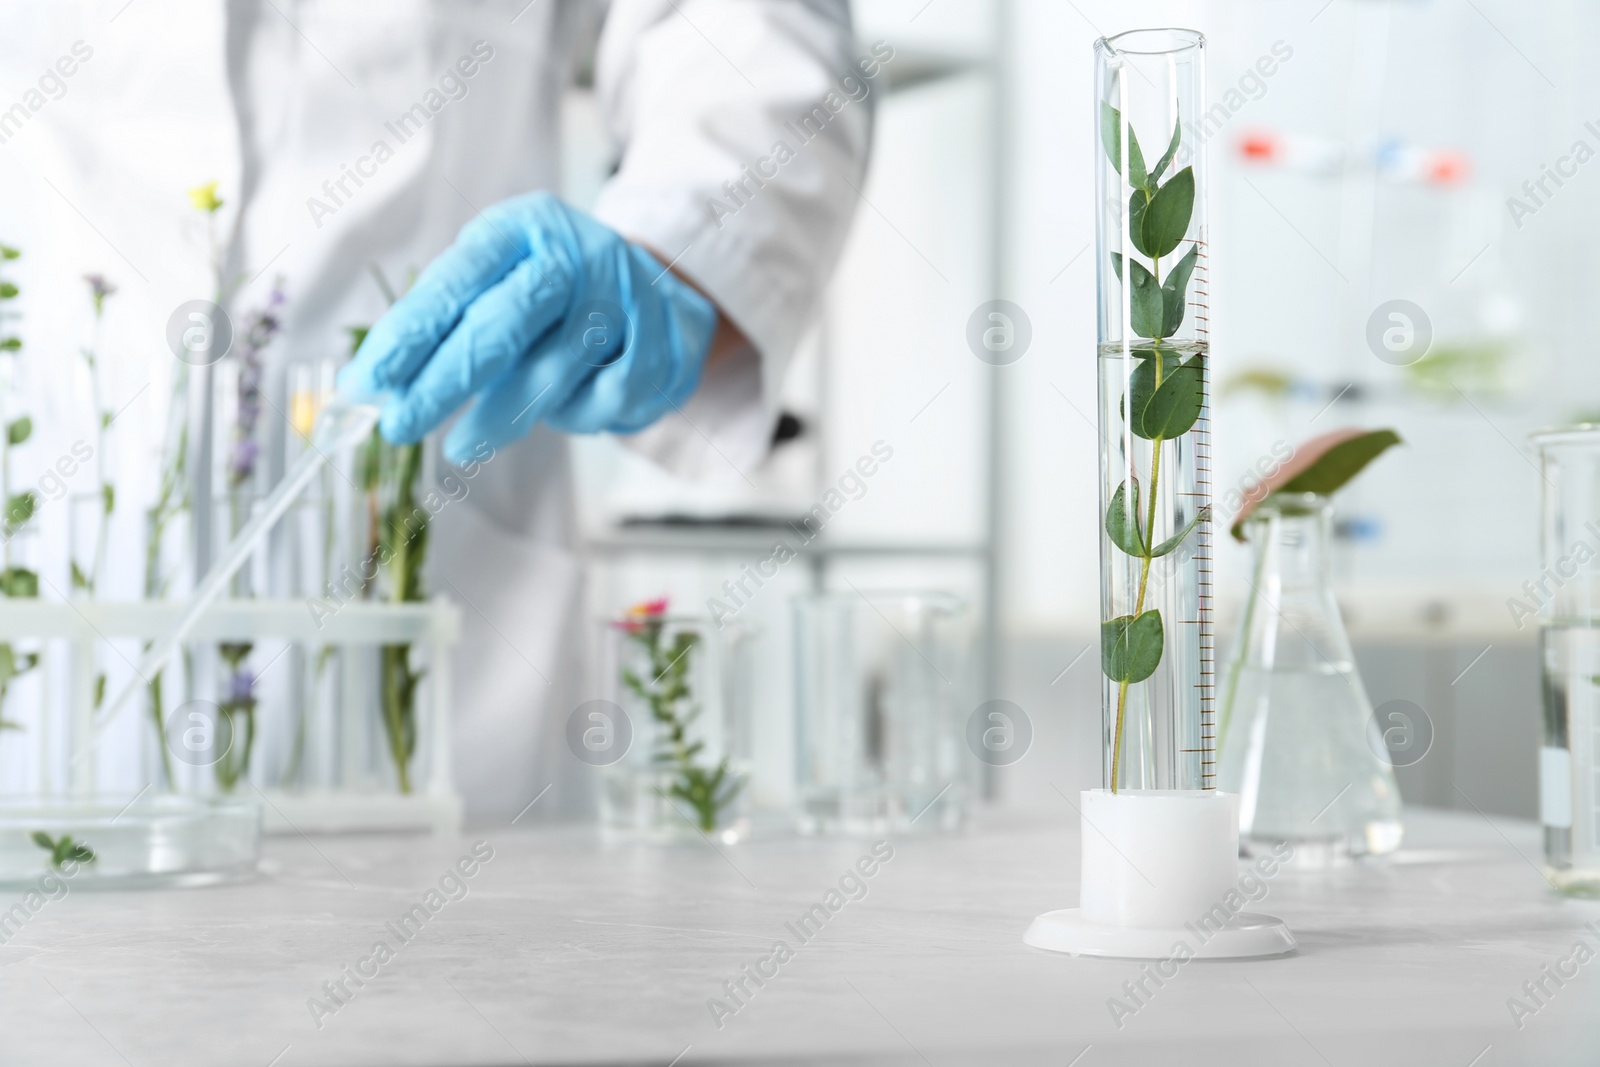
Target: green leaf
[357, 335]
[1111, 138]
[1130, 648]
[80, 580]
[11, 344]
[1146, 308]
[7, 290]
[371, 463]
[1172, 148]
[1203, 515]
[1122, 521]
[105, 419]
[1341, 463]
[19, 430]
[7, 252]
[19, 582]
[1321, 465]
[1174, 292]
[19, 509]
[1167, 410]
[43, 840]
[1138, 201]
[99, 689]
[108, 497]
[1166, 220]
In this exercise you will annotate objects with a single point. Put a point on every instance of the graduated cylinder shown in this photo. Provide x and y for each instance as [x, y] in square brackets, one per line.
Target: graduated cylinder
[1155, 492]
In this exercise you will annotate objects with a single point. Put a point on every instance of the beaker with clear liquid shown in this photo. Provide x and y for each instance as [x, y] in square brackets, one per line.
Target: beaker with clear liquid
[1298, 741]
[1567, 596]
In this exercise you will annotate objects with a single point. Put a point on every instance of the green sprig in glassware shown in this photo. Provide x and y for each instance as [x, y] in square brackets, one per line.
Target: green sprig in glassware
[707, 790]
[1166, 391]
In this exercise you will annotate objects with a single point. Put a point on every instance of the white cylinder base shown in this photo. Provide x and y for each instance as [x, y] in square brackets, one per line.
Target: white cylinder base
[1160, 879]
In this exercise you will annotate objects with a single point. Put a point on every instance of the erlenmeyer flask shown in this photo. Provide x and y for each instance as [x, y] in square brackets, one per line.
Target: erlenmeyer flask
[1298, 742]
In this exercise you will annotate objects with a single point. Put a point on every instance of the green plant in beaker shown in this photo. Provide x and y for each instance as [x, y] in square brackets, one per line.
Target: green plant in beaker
[1297, 738]
[663, 685]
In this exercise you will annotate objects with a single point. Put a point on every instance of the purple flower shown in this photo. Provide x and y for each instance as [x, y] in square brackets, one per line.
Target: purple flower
[99, 289]
[241, 688]
[260, 328]
[243, 462]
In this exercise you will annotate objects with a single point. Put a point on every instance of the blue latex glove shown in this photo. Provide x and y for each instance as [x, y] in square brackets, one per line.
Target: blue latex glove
[543, 314]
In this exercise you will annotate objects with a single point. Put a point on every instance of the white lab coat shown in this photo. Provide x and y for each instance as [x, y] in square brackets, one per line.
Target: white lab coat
[281, 100]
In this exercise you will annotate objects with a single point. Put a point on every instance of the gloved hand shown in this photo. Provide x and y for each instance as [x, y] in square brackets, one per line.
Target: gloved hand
[542, 313]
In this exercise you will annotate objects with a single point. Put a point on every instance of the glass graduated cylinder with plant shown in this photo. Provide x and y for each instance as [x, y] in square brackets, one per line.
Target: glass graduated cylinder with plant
[1155, 644]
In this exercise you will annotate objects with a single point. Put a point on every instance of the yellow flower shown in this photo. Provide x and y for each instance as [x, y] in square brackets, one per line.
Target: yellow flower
[304, 405]
[204, 197]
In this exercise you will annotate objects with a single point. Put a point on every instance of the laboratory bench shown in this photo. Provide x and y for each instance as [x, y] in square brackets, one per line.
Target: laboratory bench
[518, 945]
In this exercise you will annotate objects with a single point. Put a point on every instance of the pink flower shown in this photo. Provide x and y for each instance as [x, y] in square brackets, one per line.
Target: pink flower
[642, 614]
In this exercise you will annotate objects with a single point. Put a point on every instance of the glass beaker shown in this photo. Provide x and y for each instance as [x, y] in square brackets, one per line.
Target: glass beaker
[879, 682]
[1299, 743]
[1157, 645]
[684, 687]
[1566, 597]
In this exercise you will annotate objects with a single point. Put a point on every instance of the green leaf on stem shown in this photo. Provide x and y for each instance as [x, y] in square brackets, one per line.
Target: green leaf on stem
[108, 497]
[11, 344]
[8, 290]
[19, 509]
[1203, 515]
[1321, 465]
[80, 580]
[1340, 463]
[1130, 647]
[1172, 148]
[1146, 307]
[1138, 202]
[1174, 292]
[19, 582]
[1168, 409]
[19, 430]
[1111, 138]
[63, 851]
[1122, 521]
[1166, 220]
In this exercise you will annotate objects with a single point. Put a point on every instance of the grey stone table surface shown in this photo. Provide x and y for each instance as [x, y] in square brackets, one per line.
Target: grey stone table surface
[561, 950]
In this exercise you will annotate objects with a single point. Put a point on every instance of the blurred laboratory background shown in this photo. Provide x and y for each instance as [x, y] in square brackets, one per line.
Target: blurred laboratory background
[1360, 152]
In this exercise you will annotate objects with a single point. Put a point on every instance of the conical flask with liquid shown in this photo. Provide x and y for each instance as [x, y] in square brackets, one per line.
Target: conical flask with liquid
[1297, 738]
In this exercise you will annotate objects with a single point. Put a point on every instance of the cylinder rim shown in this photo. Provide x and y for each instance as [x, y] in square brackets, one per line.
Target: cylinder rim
[1184, 40]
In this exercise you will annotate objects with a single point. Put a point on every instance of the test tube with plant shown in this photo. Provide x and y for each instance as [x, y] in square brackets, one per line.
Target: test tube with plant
[1156, 642]
[87, 572]
[390, 477]
[237, 703]
[174, 497]
[16, 580]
